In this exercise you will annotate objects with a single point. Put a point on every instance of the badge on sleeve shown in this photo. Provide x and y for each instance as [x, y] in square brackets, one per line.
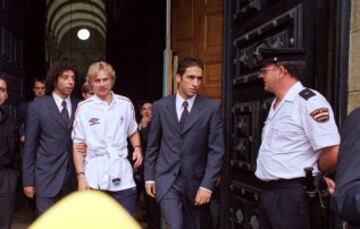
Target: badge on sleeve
[320, 115]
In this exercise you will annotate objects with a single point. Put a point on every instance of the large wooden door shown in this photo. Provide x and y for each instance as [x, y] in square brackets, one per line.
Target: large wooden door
[197, 31]
[250, 25]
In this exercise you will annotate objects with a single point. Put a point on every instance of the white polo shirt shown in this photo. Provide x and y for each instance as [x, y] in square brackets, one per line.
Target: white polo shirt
[104, 128]
[294, 134]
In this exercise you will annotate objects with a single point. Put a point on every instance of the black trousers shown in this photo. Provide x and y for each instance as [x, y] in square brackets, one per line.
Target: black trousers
[8, 180]
[284, 205]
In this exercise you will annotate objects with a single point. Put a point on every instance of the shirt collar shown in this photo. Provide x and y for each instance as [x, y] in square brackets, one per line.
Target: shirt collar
[293, 91]
[180, 100]
[58, 100]
[98, 100]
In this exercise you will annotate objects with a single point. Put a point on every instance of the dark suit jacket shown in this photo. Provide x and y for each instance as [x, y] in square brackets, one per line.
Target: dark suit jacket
[48, 147]
[197, 150]
[346, 201]
[22, 117]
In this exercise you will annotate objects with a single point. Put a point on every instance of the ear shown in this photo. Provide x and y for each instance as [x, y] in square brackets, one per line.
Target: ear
[112, 82]
[283, 70]
[178, 78]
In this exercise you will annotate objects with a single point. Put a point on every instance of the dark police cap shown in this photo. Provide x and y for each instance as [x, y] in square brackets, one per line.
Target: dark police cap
[271, 55]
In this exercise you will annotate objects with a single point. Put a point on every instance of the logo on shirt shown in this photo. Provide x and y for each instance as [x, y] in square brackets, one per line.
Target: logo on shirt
[320, 115]
[93, 121]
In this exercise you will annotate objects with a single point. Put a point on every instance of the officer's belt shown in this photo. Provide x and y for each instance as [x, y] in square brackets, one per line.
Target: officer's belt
[283, 183]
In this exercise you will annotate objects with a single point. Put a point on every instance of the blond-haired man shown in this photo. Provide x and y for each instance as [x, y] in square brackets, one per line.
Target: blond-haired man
[103, 123]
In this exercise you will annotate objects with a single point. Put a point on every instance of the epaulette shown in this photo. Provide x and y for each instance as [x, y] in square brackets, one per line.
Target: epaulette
[307, 93]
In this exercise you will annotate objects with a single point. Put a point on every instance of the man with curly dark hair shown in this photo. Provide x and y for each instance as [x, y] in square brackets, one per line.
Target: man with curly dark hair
[48, 172]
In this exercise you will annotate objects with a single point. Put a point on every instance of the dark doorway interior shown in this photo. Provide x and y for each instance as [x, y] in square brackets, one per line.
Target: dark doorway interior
[135, 40]
[134, 44]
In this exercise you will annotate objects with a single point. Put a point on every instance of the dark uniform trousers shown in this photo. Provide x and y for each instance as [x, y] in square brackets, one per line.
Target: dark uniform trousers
[284, 205]
[179, 211]
[8, 180]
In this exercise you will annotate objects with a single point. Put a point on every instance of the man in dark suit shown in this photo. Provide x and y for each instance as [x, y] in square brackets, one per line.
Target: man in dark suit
[47, 161]
[346, 198]
[185, 150]
[39, 90]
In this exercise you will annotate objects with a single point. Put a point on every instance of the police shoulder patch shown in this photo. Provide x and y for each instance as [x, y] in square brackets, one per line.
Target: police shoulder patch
[307, 93]
[320, 114]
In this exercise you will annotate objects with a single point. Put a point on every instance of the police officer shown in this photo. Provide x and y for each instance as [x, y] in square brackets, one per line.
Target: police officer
[346, 200]
[299, 132]
[8, 176]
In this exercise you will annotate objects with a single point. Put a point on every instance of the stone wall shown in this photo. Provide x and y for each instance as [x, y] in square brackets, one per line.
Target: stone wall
[354, 58]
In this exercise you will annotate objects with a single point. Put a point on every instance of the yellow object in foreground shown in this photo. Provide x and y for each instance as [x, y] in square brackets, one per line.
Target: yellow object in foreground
[87, 209]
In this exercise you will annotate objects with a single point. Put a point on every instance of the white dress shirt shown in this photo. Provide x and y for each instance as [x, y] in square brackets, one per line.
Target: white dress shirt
[59, 100]
[179, 105]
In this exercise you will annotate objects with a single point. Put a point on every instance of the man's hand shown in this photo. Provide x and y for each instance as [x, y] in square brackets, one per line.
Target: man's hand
[29, 191]
[82, 184]
[145, 121]
[80, 148]
[202, 197]
[137, 157]
[150, 189]
[330, 184]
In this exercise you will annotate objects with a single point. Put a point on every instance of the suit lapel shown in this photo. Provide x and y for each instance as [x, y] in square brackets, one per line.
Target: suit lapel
[194, 114]
[171, 109]
[55, 113]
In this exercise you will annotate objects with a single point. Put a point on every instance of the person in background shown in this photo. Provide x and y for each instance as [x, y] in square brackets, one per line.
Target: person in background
[86, 90]
[8, 174]
[39, 90]
[151, 207]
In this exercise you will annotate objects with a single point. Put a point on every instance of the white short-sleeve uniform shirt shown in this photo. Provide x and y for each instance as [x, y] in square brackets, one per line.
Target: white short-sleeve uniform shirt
[294, 133]
[104, 128]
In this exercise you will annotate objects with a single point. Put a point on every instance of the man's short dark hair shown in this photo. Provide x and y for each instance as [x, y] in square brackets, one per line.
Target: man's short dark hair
[295, 68]
[55, 72]
[189, 62]
[38, 79]
[3, 77]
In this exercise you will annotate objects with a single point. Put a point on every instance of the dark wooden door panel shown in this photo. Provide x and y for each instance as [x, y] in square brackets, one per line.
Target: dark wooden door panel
[249, 26]
[197, 31]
